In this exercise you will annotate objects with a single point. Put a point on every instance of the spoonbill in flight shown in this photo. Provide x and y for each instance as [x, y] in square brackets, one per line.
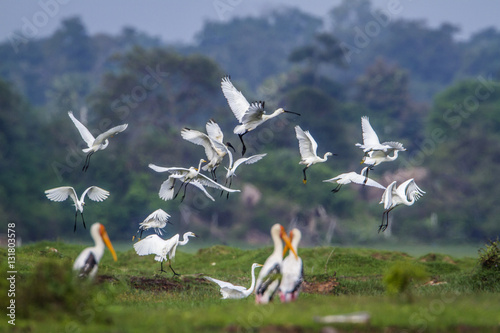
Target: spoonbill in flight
[250, 116]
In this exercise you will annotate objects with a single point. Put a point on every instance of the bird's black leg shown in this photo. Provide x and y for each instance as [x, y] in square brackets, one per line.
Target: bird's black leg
[87, 162]
[175, 196]
[386, 220]
[76, 215]
[335, 190]
[84, 226]
[230, 183]
[305, 178]
[185, 189]
[214, 175]
[161, 267]
[243, 143]
[170, 265]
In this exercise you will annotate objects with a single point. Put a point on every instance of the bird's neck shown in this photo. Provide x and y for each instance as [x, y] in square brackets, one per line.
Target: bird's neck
[185, 240]
[278, 247]
[253, 279]
[325, 157]
[394, 155]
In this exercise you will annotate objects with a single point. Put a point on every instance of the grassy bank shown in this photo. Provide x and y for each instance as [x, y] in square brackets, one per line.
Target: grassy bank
[131, 295]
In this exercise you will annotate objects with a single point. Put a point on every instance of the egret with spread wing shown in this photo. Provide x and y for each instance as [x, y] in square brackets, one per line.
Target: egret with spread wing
[353, 177]
[87, 261]
[214, 153]
[163, 249]
[229, 290]
[250, 116]
[187, 176]
[62, 193]
[94, 144]
[308, 147]
[376, 152]
[157, 220]
[270, 274]
[405, 194]
[292, 271]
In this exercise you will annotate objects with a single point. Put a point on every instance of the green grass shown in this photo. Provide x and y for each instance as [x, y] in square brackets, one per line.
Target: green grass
[132, 296]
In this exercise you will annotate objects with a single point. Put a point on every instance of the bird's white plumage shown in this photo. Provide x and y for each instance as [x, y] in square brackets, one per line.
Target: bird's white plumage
[101, 141]
[371, 141]
[292, 271]
[308, 147]
[237, 102]
[353, 177]
[406, 193]
[86, 264]
[157, 220]
[244, 160]
[62, 193]
[191, 176]
[229, 290]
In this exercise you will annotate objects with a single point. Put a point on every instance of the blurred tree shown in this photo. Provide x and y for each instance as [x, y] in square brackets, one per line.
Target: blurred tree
[463, 157]
[481, 54]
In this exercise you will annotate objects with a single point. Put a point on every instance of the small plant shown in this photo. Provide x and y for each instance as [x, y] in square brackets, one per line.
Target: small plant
[489, 257]
[401, 275]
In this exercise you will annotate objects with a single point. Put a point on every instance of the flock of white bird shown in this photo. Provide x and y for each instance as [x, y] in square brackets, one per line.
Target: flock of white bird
[278, 274]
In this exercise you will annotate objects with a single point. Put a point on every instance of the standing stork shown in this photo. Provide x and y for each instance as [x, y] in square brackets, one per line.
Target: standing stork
[270, 274]
[87, 261]
[250, 116]
[292, 271]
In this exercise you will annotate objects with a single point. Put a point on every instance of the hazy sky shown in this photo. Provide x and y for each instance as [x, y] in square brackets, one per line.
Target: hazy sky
[175, 21]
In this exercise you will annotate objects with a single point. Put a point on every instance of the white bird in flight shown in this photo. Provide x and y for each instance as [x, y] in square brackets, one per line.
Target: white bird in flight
[214, 153]
[229, 290]
[292, 271]
[162, 249]
[270, 274]
[376, 152]
[59, 194]
[88, 260]
[405, 194]
[249, 115]
[190, 176]
[353, 177]
[157, 220]
[94, 144]
[308, 147]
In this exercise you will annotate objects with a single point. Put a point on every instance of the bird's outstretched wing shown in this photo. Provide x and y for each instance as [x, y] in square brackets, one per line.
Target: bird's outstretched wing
[307, 144]
[412, 190]
[167, 189]
[370, 138]
[205, 181]
[173, 170]
[95, 193]
[214, 131]
[222, 284]
[253, 113]
[110, 133]
[393, 145]
[158, 215]
[201, 139]
[197, 184]
[84, 132]
[387, 195]
[152, 244]
[237, 102]
[248, 160]
[61, 193]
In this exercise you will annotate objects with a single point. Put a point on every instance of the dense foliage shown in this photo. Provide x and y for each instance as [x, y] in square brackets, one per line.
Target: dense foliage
[419, 85]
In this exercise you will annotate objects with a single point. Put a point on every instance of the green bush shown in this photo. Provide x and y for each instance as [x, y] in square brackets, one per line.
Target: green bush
[489, 257]
[401, 275]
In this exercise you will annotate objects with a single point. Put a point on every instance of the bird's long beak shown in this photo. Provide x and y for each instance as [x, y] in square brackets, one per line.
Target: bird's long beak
[288, 243]
[298, 114]
[106, 240]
